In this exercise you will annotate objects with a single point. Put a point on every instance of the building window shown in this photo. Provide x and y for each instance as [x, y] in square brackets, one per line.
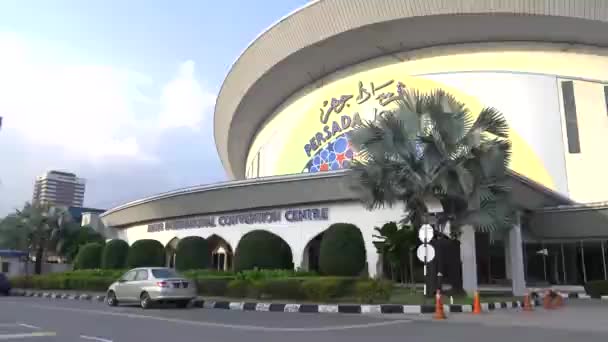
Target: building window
[572, 135]
[6, 267]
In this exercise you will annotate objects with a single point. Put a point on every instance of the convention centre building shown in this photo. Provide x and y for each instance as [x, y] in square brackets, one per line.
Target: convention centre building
[285, 108]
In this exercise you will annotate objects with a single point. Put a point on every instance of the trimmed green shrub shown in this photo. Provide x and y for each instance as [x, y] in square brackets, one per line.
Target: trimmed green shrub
[238, 288]
[263, 250]
[281, 289]
[213, 286]
[342, 251]
[64, 281]
[597, 288]
[320, 289]
[192, 253]
[114, 254]
[89, 256]
[146, 253]
[370, 291]
[209, 273]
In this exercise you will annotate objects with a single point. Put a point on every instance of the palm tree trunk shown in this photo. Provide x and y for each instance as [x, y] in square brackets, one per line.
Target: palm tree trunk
[411, 261]
[39, 255]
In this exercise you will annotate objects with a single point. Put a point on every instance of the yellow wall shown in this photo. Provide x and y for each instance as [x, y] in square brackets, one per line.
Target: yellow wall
[280, 143]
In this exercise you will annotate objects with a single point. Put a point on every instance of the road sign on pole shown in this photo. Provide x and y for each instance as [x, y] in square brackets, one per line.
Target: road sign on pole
[425, 233]
[425, 253]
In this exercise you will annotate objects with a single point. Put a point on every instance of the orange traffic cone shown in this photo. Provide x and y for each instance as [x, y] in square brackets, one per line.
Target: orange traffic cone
[476, 304]
[559, 301]
[527, 304]
[439, 313]
[547, 300]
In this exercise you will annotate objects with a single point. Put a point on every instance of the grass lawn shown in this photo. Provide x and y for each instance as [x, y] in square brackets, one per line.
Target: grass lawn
[408, 296]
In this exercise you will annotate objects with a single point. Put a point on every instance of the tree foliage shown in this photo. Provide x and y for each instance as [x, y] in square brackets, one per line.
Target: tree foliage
[342, 251]
[396, 244]
[12, 236]
[146, 253]
[44, 229]
[192, 253]
[263, 250]
[114, 254]
[75, 237]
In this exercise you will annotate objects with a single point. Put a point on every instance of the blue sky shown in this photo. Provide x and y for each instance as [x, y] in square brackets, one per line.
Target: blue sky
[120, 92]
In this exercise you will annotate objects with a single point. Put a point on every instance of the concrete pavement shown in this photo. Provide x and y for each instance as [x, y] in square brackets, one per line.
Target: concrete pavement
[82, 321]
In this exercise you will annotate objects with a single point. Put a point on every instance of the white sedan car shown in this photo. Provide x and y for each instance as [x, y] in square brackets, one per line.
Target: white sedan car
[150, 285]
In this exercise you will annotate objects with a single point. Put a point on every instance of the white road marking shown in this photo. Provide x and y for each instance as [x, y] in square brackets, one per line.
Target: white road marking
[29, 326]
[214, 324]
[27, 335]
[93, 338]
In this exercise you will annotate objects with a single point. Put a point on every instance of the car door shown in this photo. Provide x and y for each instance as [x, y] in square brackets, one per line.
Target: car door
[141, 280]
[122, 288]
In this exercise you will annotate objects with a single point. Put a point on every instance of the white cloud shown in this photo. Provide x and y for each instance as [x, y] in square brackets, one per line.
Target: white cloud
[183, 100]
[91, 111]
[89, 117]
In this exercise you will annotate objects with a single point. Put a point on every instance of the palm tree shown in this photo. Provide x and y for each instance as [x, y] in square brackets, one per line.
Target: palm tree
[45, 226]
[430, 147]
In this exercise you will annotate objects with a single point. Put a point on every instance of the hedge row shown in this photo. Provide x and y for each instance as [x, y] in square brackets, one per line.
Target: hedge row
[597, 288]
[89, 256]
[262, 249]
[342, 253]
[312, 288]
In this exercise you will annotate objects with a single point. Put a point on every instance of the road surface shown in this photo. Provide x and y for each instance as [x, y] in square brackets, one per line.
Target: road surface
[43, 319]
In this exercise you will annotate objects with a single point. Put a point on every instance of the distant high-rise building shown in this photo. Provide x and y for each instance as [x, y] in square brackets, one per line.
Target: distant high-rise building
[59, 188]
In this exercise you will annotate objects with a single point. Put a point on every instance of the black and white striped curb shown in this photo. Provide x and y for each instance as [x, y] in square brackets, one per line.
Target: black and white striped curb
[305, 308]
[55, 295]
[571, 295]
[579, 295]
[354, 308]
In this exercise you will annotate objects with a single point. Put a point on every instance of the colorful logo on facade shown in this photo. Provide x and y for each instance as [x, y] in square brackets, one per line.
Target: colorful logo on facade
[336, 155]
[330, 149]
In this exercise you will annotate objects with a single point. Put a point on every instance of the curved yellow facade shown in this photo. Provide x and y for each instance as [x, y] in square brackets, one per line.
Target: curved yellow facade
[523, 81]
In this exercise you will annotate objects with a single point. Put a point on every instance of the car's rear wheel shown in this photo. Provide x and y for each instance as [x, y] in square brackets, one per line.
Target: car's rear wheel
[111, 299]
[145, 301]
[182, 304]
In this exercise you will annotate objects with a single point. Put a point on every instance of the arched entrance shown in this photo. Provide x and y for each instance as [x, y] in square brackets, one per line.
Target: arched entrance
[221, 253]
[310, 260]
[170, 251]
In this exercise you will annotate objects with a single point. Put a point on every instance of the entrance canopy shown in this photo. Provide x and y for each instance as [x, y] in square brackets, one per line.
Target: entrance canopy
[575, 221]
[529, 195]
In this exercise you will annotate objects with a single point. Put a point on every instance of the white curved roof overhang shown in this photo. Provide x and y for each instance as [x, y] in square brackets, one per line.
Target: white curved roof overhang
[279, 191]
[328, 35]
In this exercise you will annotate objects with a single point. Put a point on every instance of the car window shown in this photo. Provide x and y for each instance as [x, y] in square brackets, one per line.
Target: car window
[129, 276]
[141, 275]
[163, 273]
[2, 277]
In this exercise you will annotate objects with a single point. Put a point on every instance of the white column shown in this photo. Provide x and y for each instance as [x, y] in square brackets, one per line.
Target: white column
[372, 260]
[305, 260]
[297, 255]
[516, 257]
[468, 259]
[507, 258]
